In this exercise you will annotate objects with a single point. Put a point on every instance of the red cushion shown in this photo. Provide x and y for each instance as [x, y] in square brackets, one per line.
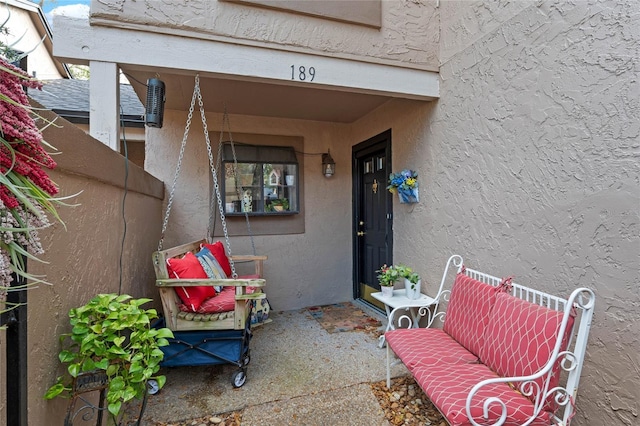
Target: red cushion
[224, 301]
[468, 312]
[221, 256]
[189, 267]
[447, 386]
[427, 346]
[520, 338]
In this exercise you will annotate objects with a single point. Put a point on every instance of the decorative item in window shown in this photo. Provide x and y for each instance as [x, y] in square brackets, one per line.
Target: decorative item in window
[274, 177]
[265, 176]
[405, 183]
[278, 205]
[247, 201]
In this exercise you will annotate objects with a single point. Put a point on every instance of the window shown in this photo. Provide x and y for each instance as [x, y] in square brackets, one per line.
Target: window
[265, 182]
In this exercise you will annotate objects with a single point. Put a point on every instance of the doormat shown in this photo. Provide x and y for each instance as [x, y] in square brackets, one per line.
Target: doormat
[343, 317]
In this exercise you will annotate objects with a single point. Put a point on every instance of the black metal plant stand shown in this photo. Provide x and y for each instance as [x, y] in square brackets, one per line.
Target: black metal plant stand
[81, 407]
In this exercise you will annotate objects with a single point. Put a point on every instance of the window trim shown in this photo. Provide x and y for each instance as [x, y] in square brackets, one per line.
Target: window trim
[264, 224]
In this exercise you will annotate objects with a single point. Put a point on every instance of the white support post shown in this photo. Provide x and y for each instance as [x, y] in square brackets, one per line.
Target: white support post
[104, 103]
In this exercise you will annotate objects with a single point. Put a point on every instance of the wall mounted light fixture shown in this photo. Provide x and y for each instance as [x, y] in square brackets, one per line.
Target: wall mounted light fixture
[328, 165]
[155, 103]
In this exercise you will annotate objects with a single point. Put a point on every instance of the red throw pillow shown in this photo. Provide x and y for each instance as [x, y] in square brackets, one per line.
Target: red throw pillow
[189, 267]
[218, 252]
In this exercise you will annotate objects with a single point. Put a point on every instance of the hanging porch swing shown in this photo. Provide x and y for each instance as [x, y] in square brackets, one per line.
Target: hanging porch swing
[188, 275]
[205, 302]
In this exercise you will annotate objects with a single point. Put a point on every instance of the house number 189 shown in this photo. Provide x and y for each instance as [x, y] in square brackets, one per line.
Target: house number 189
[302, 73]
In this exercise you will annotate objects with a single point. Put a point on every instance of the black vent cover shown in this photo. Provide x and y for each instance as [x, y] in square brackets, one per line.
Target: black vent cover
[155, 103]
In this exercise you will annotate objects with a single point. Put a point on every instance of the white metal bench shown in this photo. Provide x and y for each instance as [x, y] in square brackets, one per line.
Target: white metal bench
[506, 354]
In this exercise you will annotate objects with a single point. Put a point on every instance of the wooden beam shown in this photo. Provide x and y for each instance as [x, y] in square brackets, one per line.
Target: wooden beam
[78, 42]
[104, 104]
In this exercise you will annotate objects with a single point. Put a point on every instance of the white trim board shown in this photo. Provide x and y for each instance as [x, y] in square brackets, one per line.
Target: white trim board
[78, 42]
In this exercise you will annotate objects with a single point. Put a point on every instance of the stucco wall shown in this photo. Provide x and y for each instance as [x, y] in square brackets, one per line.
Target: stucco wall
[87, 257]
[312, 268]
[408, 36]
[540, 135]
[529, 166]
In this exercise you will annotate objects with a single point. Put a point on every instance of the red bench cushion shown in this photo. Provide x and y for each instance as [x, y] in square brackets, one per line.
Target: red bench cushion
[185, 268]
[447, 386]
[520, 338]
[427, 346]
[468, 311]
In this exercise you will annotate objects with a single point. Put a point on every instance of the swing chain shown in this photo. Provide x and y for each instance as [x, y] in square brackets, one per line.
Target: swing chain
[198, 94]
[177, 172]
[214, 175]
[225, 119]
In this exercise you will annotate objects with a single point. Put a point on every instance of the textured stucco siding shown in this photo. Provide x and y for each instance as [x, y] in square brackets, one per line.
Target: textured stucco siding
[529, 166]
[528, 163]
[92, 255]
[409, 32]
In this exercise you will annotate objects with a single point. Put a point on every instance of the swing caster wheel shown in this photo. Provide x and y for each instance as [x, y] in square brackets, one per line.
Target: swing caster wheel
[246, 360]
[152, 387]
[239, 378]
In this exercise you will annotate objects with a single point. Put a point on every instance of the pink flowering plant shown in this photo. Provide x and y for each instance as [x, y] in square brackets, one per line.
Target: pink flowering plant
[27, 193]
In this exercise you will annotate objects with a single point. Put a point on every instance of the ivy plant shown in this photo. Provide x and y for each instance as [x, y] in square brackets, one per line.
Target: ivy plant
[113, 334]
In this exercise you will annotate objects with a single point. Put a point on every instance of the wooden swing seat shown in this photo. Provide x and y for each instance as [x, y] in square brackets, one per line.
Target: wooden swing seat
[177, 320]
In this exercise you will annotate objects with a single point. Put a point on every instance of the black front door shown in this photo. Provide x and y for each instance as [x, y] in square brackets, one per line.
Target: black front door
[372, 214]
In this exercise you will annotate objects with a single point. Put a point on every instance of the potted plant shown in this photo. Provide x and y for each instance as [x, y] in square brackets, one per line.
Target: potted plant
[387, 276]
[412, 281]
[405, 183]
[113, 335]
[280, 204]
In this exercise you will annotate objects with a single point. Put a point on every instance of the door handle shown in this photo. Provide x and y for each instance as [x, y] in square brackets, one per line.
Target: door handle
[360, 233]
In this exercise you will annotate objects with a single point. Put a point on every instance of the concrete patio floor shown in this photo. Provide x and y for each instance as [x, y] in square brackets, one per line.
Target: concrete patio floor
[299, 374]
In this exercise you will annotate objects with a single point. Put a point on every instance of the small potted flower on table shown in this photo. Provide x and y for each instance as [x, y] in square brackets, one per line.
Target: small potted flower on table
[412, 281]
[387, 276]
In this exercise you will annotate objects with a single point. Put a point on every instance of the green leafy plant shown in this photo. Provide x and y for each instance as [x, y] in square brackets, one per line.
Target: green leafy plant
[409, 274]
[283, 202]
[112, 333]
[388, 275]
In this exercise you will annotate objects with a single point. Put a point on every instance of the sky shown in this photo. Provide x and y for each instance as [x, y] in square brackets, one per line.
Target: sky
[70, 8]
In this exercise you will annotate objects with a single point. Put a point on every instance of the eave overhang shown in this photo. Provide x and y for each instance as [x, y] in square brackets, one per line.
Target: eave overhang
[251, 80]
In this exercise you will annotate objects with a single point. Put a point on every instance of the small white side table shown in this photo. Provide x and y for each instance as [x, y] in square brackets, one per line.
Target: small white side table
[399, 299]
